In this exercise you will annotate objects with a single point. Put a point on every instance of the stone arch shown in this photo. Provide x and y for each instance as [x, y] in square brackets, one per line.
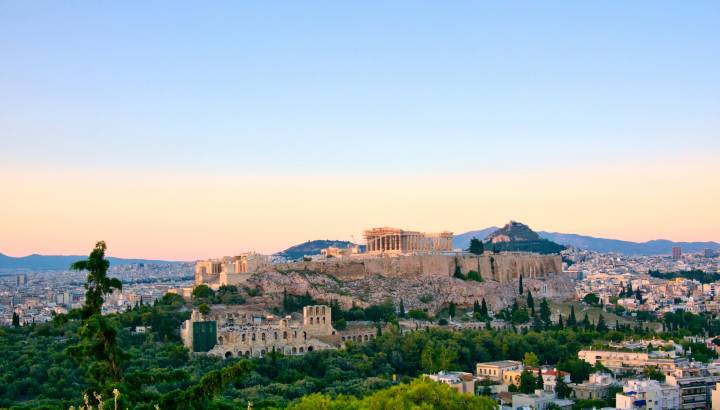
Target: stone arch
[294, 350]
[365, 338]
[301, 350]
[310, 348]
[247, 353]
[311, 321]
[228, 355]
[323, 320]
[262, 336]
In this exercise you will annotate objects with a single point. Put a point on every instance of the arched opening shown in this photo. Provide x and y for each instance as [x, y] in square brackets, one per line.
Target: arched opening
[263, 336]
[242, 337]
[253, 336]
[311, 321]
[310, 348]
[323, 319]
[275, 335]
[247, 353]
[301, 350]
[228, 355]
[304, 335]
[262, 352]
[284, 335]
[220, 340]
[294, 350]
[366, 338]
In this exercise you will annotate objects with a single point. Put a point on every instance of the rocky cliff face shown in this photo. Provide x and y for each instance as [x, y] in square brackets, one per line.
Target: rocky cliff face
[421, 281]
[501, 267]
[420, 292]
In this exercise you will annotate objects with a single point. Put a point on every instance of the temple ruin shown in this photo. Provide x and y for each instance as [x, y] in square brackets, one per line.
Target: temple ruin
[382, 241]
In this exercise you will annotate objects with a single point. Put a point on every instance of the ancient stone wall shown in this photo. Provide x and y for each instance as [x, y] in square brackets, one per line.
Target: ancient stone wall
[501, 267]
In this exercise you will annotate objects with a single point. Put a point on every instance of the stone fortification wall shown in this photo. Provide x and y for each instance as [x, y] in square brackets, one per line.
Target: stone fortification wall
[501, 267]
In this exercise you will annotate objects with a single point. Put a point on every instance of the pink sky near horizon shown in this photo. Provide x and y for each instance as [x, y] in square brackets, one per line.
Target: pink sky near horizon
[183, 216]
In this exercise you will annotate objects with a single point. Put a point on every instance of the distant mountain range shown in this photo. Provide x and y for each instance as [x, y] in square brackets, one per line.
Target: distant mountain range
[61, 262]
[655, 247]
[312, 248]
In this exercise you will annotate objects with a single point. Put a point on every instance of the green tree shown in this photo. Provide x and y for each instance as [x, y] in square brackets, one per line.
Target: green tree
[97, 348]
[562, 389]
[458, 272]
[15, 320]
[586, 322]
[530, 359]
[545, 312]
[451, 309]
[204, 309]
[572, 321]
[520, 285]
[476, 247]
[591, 299]
[401, 312]
[203, 294]
[601, 325]
[97, 284]
[531, 302]
[484, 309]
[527, 382]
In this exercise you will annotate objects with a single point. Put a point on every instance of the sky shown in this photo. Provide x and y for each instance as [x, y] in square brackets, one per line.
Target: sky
[193, 130]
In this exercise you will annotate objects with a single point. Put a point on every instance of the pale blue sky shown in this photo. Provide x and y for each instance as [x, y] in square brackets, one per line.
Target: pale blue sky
[361, 87]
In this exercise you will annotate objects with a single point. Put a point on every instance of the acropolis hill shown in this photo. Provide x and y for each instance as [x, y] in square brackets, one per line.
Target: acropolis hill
[395, 264]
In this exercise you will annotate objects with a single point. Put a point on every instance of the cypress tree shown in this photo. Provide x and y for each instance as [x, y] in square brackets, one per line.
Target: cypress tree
[560, 322]
[531, 302]
[572, 321]
[520, 285]
[484, 309]
[15, 320]
[402, 308]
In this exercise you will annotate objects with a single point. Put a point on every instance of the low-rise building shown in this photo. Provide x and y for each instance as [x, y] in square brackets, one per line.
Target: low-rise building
[647, 395]
[596, 388]
[540, 400]
[460, 381]
[495, 370]
[622, 360]
[695, 383]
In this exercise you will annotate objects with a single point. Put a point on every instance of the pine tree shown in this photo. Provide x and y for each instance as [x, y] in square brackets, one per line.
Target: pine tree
[572, 321]
[520, 285]
[476, 247]
[97, 347]
[484, 309]
[560, 322]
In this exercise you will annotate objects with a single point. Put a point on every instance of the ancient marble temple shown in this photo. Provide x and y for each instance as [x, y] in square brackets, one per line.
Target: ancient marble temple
[397, 241]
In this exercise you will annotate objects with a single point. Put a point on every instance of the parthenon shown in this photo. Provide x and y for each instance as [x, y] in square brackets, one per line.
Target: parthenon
[397, 241]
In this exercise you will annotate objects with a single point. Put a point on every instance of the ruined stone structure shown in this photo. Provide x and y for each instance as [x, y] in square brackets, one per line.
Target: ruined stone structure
[230, 270]
[394, 241]
[237, 332]
[502, 267]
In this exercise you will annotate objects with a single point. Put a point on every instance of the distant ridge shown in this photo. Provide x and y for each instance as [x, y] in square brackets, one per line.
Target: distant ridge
[61, 262]
[312, 248]
[654, 247]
